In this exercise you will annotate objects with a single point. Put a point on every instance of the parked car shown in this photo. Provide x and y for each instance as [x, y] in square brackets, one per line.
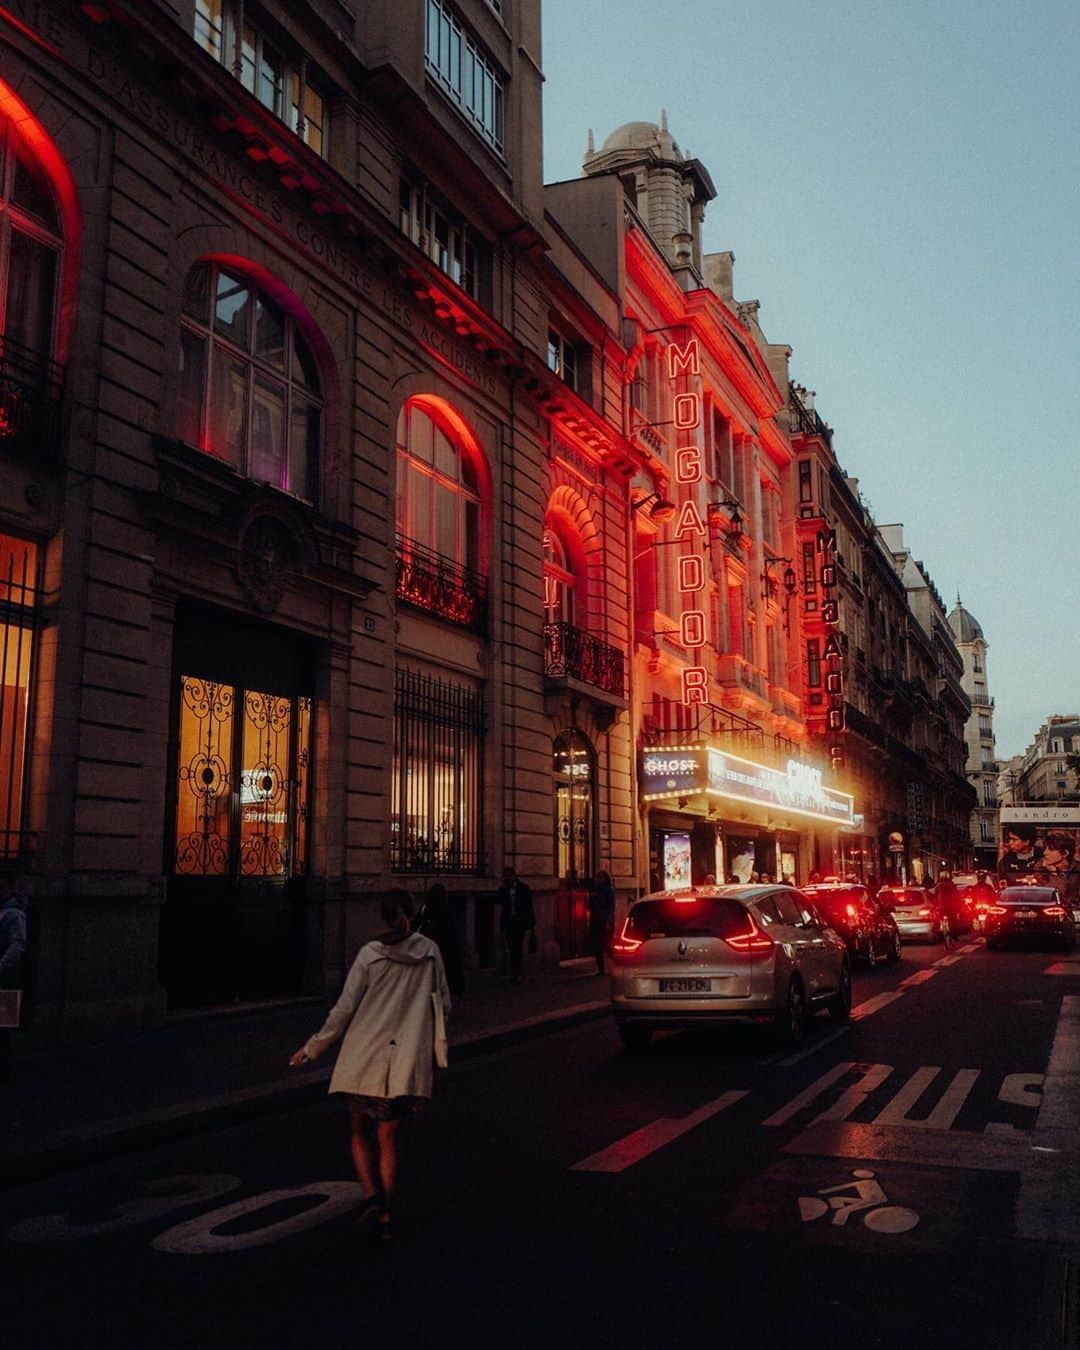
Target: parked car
[869, 931]
[1029, 914]
[917, 914]
[711, 954]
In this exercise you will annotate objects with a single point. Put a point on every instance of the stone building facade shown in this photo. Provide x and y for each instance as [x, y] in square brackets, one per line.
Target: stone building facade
[982, 764]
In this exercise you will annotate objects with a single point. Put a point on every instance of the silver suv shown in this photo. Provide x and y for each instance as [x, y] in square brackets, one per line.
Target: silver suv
[717, 953]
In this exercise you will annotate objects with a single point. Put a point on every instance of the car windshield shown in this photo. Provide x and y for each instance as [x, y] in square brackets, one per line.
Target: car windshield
[687, 916]
[834, 903]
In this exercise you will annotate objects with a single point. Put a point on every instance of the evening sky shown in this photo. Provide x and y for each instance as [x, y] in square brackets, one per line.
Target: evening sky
[900, 185]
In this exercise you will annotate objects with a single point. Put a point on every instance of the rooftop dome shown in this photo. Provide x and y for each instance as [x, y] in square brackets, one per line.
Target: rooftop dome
[641, 136]
[964, 627]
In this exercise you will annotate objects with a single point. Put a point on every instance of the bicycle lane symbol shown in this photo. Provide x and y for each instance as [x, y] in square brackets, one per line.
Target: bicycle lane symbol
[863, 1195]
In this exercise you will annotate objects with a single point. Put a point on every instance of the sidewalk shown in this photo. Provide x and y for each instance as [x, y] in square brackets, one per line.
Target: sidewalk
[212, 1069]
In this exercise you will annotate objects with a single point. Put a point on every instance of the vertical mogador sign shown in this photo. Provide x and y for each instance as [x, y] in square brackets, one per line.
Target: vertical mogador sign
[683, 362]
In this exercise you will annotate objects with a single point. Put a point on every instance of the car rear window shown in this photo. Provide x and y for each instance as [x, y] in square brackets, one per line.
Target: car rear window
[709, 916]
[1029, 895]
[905, 897]
[835, 903]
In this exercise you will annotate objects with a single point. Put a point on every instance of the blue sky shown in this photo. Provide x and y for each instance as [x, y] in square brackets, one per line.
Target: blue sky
[900, 184]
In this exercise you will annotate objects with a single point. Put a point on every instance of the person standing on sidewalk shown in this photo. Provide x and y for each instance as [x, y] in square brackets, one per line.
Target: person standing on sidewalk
[391, 1013]
[12, 953]
[601, 916]
[436, 919]
[517, 918]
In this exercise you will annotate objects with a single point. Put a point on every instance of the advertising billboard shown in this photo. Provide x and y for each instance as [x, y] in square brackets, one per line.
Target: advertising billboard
[1041, 842]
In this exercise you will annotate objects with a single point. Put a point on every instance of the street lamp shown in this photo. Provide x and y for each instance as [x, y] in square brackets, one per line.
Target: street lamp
[731, 505]
[660, 510]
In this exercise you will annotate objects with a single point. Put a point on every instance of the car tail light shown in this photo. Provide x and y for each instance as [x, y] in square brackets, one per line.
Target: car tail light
[851, 912]
[925, 913]
[996, 909]
[754, 941]
[624, 948]
[1055, 911]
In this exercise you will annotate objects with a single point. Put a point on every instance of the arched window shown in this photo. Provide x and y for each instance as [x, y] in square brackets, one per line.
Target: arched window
[575, 776]
[250, 391]
[438, 502]
[559, 580]
[30, 246]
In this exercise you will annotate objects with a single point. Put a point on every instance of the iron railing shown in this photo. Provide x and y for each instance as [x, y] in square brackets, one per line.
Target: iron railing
[428, 581]
[571, 653]
[30, 389]
[19, 616]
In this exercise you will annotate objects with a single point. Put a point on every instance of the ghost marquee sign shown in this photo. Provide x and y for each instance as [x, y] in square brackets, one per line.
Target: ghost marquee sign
[684, 362]
[835, 720]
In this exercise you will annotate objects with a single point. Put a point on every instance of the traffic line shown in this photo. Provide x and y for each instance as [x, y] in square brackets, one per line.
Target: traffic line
[789, 1060]
[815, 1089]
[639, 1144]
[1060, 1109]
[947, 961]
[920, 977]
[1070, 966]
[875, 1004]
[971, 947]
[853, 1097]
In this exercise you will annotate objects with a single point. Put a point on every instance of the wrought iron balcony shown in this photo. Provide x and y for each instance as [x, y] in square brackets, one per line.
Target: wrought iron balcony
[428, 581]
[571, 654]
[30, 388]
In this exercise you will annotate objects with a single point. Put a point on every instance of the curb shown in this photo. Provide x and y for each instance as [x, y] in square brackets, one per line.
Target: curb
[78, 1147]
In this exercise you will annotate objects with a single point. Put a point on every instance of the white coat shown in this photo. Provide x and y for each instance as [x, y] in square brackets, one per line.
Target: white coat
[387, 1015]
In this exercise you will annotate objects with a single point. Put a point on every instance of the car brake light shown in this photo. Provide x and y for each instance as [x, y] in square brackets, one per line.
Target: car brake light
[925, 913]
[996, 909]
[852, 912]
[686, 899]
[754, 941]
[623, 946]
[1055, 911]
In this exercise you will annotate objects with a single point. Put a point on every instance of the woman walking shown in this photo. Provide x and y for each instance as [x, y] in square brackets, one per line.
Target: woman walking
[391, 1013]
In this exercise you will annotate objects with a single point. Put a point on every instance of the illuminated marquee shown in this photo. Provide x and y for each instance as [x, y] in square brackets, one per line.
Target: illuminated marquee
[798, 788]
[834, 652]
[689, 528]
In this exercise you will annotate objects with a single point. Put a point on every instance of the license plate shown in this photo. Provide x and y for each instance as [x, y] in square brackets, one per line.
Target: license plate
[1027, 913]
[685, 986]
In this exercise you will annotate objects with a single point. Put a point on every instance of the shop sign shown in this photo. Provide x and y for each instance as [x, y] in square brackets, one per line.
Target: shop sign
[798, 788]
[835, 719]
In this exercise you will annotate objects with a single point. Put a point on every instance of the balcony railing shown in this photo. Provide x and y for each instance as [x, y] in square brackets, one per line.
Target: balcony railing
[30, 388]
[428, 581]
[736, 672]
[571, 654]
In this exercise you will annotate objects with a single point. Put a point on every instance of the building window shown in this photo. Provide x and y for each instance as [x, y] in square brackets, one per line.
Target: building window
[987, 834]
[560, 583]
[438, 520]
[562, 358]
[436, 801]
[249, 389]
[447, 240]
[813, 663]
[19, 610]
[806, 481]
[284, 87]
[986, 730]
[242, 781]
[456, 61]
[989, 795]
[574, 796]
[30, 244]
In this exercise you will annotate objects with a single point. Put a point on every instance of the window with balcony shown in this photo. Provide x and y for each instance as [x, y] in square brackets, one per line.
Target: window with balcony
[560, 583]
[563, 358]
[283, 84]
[19, 616]
[438, 518]
[806, 481]
[575, 774]
[249, 388]
[813, 663]
[464, 71]
[436, 790]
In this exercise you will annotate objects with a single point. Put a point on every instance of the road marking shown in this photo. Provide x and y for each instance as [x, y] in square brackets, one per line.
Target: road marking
[931, 1148]
[875, 1004]
[947, 961]
[1061, 1087]
[1070, 966]
[853, 1097]
[947, 1109]
[920, 977]
[1016, 1090]
[971, 947]
[815, 1089]
[633, 1147]
[810, 1049]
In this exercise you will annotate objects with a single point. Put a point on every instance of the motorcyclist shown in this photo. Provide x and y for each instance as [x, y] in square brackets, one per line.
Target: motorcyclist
[949, 902]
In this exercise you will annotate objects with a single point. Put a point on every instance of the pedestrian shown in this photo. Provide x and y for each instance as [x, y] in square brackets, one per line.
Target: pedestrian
[516, 919]
[709, 879]
[601, 916]
[12, 954]
[436, 920]
[391, 1014]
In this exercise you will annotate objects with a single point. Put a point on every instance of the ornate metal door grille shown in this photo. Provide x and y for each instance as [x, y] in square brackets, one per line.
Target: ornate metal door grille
[436, 822]
[242, 781]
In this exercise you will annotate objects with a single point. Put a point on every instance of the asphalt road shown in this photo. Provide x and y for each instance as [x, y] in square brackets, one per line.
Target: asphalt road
[568, 1193]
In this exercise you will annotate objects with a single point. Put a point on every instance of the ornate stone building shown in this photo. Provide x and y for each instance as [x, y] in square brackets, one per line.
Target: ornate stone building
[982, 765]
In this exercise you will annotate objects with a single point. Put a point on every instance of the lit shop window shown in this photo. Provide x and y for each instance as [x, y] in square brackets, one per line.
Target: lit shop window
[249, 389]
[436, 801]
[574, 796]
[242, 781]
[282, 86]
[456, 61]
[445, 238]
[18, 615]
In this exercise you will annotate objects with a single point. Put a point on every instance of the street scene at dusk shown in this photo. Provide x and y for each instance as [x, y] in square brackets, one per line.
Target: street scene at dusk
[532, 808]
